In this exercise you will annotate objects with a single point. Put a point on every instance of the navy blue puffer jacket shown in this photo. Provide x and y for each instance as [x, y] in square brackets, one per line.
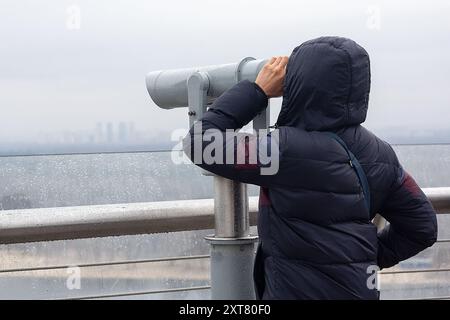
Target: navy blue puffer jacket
[317, 239]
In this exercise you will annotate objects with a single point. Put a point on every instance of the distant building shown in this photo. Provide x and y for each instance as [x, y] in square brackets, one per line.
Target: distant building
[122, 132]
[131, 132]
[99, 135]
[109, 133]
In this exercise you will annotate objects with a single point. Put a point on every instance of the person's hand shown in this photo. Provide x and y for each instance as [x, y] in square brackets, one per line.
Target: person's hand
[270, 78]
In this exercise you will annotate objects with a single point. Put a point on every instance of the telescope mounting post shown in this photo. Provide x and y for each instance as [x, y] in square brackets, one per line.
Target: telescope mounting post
[198, 85]
[232, 246]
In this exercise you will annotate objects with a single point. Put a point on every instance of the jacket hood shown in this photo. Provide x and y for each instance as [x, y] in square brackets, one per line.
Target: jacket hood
[326, 86]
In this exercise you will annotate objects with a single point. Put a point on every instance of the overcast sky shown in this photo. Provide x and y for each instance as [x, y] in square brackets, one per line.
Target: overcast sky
[58, 73]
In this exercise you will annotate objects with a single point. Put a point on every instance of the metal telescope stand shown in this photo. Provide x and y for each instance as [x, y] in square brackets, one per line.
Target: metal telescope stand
[232, 245]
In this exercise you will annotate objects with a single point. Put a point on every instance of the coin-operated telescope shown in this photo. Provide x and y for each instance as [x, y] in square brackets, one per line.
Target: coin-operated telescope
[232, 245]
[196, 88]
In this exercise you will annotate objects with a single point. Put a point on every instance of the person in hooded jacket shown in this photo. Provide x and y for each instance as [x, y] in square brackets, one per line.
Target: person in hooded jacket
[317, 238]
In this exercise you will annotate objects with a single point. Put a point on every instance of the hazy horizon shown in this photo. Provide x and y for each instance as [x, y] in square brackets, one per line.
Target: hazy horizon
[68, 65]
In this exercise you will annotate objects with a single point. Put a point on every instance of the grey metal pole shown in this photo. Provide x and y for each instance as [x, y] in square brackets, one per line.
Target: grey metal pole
[231, 208]
[232, 246]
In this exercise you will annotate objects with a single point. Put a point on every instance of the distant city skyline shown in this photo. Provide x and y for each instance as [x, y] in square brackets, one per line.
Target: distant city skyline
[103, 133]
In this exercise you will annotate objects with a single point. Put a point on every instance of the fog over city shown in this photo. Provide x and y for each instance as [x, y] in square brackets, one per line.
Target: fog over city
[72, 72]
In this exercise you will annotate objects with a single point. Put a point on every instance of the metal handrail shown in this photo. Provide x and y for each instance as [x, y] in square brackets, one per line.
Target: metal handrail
[46, 224]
